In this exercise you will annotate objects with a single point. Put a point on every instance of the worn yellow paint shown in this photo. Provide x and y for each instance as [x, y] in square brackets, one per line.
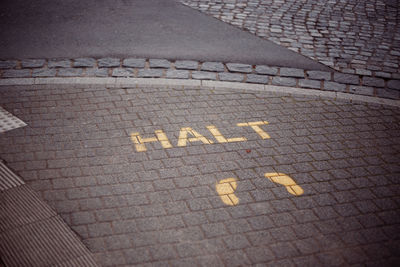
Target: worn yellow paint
[226, 189]
[255, 125]
[220, 138]
[196, 136]
[286, 181]
[140, 142]
[183, 137]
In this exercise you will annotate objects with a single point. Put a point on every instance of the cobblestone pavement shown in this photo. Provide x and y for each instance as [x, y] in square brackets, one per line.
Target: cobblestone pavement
[350, 36]
[196, 176]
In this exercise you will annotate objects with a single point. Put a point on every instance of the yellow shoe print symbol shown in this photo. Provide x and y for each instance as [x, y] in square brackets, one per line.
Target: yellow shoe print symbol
[225, 189]
[286, 181]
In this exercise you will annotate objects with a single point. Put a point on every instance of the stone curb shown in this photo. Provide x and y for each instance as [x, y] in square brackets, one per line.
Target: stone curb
[134, 82]
[194, 70]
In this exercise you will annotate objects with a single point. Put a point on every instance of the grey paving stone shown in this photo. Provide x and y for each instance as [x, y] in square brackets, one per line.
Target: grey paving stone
[77, 193]
[319, 75]
[213, 66]
[233, 257]
[382, 74]
[394, 84]
[388, 93]
[97, 72]
[348, 71]
[44, 73]
[260, 222]
[233, 77]
[137, 255]
[195, 218]
[214, 229]
[237, 67]
[8, 64]
[10, 73]
[291, 72]
[177, 74]
[84, 62]
[254, 78]
[284, 250]
[163, 252]
[210, 260]
[189, 249]
[134, 62]
[346, 78]
[217, 215]
[260, 255]
[186, 64]
[261, 69]
[236, 242]
[284, 81]
[332, 86]
[364, 72]
[108, 62]
[199, 204]
[100, 229]
[150, 73]
[83, 217]
[90, 204]
[361, 90]
[117, 242]
[33, 63]
[70, 72]
[55, 63]
[122, 72]
[371, 81]
[204, 75]
[310, 84]
[160, 63]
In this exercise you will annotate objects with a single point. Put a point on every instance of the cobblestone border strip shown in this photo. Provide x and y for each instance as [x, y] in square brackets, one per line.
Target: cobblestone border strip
[369, 85]
[112, 82]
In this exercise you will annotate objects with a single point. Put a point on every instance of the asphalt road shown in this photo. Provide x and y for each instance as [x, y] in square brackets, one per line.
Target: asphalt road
[122, 28]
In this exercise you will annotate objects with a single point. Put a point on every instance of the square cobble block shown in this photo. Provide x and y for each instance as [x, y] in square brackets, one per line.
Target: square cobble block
[212, 66]
[186, 64]
[33, 63]
[84, 62]
[134, 62]
[237, 67]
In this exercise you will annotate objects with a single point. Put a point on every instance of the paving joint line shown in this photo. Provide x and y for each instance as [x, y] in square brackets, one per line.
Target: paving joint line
[334, 81]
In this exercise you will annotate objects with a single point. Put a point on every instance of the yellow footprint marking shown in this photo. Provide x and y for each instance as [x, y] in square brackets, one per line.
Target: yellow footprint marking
[286, 181]
[225, 189]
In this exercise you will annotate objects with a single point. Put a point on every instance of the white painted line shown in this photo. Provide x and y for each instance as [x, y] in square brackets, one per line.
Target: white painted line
[232, 85]
[8, 121]
[109, 81]
[76, 80]
[368, 99]
[17, 81]
[156, 81]
[299, 91]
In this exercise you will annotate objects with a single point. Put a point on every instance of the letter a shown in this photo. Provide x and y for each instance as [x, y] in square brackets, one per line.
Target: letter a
[182, 141]
[220, 138]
